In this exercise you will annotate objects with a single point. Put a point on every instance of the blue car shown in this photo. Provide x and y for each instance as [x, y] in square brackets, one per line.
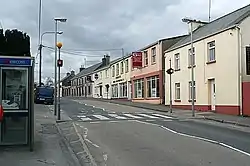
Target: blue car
[44, 95]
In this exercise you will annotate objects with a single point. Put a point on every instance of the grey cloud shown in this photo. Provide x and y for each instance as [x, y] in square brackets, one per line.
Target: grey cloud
[101, 24]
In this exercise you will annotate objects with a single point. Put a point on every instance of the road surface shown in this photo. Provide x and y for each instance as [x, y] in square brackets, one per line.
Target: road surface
[119, 135]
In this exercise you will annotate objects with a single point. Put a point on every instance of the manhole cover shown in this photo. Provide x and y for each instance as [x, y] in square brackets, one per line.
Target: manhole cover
[49, 129]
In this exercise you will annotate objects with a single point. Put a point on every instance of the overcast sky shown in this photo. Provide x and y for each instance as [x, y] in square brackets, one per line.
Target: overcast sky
[105, 24]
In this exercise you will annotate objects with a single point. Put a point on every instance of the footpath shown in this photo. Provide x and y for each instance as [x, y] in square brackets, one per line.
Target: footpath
[230, 119]
[49, 147]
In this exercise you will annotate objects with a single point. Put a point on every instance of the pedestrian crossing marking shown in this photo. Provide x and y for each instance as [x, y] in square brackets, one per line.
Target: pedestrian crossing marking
[101, 117]
[117, 116]
[148, 116]
[163, 116]
[133, 116]
[84, 118]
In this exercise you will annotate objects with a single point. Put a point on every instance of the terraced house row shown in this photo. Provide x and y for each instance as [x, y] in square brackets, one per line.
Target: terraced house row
[221, 53]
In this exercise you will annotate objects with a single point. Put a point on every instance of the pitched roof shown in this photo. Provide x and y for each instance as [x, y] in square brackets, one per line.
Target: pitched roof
[67, 77]
[88, 70]
[220, 24]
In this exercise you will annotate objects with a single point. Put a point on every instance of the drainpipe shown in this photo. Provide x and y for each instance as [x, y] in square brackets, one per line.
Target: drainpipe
[240, 70]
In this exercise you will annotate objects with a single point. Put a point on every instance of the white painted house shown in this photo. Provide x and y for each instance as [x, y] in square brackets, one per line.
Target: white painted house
[221, 66]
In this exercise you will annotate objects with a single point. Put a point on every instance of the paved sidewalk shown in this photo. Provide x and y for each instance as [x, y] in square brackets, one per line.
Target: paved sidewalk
[235, 120]
[49, 147]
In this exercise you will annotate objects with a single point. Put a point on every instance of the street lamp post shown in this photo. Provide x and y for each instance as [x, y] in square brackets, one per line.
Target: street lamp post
[59, 64]
[40, 55]
[191, 21]
[55, 75]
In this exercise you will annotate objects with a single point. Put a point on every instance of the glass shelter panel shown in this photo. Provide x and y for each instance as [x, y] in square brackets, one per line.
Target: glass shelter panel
[15, 89]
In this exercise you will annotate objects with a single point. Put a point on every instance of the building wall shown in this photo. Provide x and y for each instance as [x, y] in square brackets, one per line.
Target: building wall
[244, 36]
[224, 71]
[120, 79]
[103, 80]
[150, 70]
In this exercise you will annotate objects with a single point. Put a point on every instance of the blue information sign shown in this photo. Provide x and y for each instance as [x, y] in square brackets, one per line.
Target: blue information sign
[15, 62]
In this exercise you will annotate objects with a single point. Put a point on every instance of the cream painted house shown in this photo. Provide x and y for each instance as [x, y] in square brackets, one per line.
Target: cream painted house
[221, 66]
[101, 81]
[113, 81]
[120, 84]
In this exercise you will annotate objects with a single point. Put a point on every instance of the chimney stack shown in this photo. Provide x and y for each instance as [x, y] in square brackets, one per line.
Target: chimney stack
[72, 72]
[68, 74]
[82, 68]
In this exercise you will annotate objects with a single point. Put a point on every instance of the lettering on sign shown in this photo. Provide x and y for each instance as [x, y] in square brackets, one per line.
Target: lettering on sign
[136, 59]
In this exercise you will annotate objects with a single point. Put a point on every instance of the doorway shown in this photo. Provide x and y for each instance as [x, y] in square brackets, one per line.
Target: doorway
[212, 94]
[101, 91]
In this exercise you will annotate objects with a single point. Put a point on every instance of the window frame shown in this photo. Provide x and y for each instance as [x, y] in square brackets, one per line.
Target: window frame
[209, 49]
[145, 58]
[177, 63]
[126, 66]
[191, 56]
[153, 55]
[176, 91]
[190, 90]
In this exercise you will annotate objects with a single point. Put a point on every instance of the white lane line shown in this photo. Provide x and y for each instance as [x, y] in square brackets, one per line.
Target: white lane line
[86, 119]
[163, 116]
[132, 116]
[92, 143]
[117, 116]
[208, 140]
[101, 117]
[83, 118]
[94, 122]
[149, 116]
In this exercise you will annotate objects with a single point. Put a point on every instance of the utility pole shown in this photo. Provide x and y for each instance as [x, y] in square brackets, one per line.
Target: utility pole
[170, 71]
[59, 64]
[40, 65]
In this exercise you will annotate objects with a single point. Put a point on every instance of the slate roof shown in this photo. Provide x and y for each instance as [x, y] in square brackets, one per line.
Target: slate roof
[67, 77]
[88, 70]
[227, 21]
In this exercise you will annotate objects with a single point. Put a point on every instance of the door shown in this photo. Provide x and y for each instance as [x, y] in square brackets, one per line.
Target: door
[129, 90]
[101, 91]
[213, 94]
[14, 94]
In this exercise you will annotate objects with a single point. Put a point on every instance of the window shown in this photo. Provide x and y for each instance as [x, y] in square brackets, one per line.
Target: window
[113, 70]
[190, 90]
[146, 58]
[153, 52]
[106, 73]
[100, 77]
[139, 88]
[153, 86]
[122, 67]
[211, 51]
[89, 90]
[123, 90]
[177, 91]
[190, 57]
[177, 61]
[126, 65]
[114, 91]
[117, 69]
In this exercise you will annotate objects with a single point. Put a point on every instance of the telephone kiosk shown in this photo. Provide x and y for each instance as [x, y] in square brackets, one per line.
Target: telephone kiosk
[17, 101]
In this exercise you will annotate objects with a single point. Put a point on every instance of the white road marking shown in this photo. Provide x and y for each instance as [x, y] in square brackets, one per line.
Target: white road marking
[208, 140]
[133, 116]
[163, 116]
[86, 119]
[146, 123]
[101, 117]
[117, 116]
[149, 116]
[92, 143]
[94, 122]
[113, 121]
[150, 120]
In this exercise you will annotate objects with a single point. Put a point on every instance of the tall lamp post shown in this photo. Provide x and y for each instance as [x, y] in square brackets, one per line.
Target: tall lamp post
[40, 54]
[55, 74]
[191, 21]
[59, 64]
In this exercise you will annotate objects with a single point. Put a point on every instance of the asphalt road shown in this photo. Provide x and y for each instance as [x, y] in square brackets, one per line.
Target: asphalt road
[121, 135]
